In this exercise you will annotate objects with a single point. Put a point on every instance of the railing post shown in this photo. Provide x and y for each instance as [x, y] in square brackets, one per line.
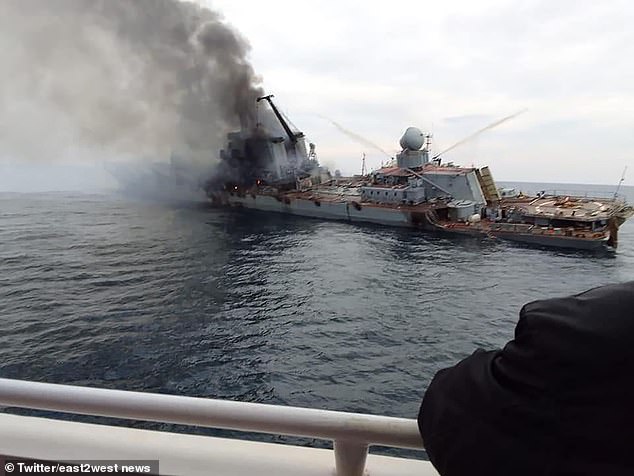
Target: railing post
[350, 457]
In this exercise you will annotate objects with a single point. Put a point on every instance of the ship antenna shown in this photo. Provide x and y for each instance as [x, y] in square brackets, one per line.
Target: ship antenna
[618, 187]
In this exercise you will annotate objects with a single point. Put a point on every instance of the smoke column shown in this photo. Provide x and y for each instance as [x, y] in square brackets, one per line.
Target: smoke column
[130, 78]
[484, 129]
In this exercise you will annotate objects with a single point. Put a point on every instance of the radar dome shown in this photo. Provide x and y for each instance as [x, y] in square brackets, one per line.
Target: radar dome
[413, 139]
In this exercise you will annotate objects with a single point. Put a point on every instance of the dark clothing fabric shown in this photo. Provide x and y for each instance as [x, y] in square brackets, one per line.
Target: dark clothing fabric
[556, 400]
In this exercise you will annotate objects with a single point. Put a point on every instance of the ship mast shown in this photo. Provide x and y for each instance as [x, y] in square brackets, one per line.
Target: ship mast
[618, 187]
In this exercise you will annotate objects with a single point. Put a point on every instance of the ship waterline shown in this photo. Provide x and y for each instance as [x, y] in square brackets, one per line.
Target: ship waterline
[274, 174]
[423, 216]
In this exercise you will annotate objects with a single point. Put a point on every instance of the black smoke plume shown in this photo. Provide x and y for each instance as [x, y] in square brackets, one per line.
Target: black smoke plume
[135, 78]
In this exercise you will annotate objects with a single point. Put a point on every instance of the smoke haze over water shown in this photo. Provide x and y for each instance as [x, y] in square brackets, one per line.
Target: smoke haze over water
[123, 78]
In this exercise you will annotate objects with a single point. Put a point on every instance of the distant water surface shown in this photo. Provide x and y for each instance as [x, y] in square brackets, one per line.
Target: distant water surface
[103, 291]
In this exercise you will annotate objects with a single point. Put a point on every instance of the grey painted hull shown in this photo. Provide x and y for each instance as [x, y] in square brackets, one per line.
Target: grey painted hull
[329, 210]
[556, 241]
[347, 211]
[534, 239]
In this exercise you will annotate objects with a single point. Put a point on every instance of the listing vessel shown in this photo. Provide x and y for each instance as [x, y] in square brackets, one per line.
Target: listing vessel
[276, 174]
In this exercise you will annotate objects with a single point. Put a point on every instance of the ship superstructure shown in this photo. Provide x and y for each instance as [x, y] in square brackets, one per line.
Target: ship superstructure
[413, 191]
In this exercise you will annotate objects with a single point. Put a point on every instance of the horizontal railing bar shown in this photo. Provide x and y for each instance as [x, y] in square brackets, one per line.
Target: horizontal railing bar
[55, 440]
[581, 194]
[212, 413]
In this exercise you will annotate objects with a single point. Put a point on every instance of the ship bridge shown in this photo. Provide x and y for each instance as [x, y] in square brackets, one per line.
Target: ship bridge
[402, 185]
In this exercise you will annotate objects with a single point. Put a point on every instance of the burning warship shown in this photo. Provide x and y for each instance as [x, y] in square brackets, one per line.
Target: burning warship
[267, 172]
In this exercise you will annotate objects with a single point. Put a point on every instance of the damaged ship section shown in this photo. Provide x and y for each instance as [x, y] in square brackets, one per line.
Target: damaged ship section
[275, 173]
[270, 154]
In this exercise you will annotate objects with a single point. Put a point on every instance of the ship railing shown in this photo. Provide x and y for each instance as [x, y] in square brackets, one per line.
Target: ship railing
[583, 194]
[351, 433]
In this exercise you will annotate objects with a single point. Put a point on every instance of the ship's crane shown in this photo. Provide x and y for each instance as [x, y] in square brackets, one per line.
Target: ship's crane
[291, 135]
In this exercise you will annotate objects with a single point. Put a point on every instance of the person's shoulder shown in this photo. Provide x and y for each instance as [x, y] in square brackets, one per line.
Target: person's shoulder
[590, 329]
[596, 308]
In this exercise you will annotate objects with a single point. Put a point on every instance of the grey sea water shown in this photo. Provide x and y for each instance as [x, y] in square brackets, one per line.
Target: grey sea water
[104, 291]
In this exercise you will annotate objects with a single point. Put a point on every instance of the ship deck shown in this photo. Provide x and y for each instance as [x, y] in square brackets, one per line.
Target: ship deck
[333, 197]
[566, 208]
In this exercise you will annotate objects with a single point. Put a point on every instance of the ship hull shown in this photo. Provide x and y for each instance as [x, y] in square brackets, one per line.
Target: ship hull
[558, 242]
[407, 217]
[535, 239]
[324, 209]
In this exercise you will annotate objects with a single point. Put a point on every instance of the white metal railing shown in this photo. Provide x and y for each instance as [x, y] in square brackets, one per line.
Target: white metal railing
[600, 195]
[351, 433]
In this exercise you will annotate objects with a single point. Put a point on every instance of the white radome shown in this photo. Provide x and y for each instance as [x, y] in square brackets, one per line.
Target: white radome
[413, 139]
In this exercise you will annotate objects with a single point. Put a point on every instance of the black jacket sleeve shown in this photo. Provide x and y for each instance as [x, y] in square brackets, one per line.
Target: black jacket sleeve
[556, 400]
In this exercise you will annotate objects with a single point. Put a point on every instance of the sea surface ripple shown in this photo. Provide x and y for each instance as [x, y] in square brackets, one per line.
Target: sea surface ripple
[104, 291]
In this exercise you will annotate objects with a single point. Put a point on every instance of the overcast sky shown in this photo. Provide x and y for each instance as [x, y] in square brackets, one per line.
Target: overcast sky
[449, 67]
[452, 67]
